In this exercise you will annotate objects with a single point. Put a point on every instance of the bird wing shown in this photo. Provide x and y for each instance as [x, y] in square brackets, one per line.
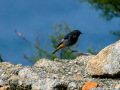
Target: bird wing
[68, 35]
[60, 43]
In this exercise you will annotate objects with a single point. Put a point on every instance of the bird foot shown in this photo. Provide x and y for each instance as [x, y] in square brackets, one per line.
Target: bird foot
[71, 50]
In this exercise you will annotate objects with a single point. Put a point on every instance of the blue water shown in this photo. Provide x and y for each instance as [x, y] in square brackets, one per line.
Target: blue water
[27, 16]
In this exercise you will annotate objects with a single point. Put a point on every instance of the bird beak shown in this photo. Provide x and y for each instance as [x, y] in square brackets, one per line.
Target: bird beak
[81, 33]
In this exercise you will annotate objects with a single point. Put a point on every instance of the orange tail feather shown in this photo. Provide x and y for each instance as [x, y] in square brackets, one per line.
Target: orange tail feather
[61, 46]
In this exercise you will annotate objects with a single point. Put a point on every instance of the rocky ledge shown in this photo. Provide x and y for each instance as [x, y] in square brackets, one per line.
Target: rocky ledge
[86, 72]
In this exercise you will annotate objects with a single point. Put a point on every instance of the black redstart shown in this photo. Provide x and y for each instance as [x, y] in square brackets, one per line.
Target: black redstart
[69, 40]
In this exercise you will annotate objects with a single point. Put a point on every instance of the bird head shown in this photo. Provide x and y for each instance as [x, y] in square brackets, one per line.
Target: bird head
[77, 32]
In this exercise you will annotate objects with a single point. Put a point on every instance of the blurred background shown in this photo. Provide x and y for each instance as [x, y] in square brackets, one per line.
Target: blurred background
[33, 19]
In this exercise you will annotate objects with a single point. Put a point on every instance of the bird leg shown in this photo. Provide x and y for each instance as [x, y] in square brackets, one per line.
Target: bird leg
[71, 50]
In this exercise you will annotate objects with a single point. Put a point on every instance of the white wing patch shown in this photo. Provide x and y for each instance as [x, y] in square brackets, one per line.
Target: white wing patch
[62, 40]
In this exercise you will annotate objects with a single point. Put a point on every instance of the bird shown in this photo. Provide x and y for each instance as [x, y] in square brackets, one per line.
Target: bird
[69, 40]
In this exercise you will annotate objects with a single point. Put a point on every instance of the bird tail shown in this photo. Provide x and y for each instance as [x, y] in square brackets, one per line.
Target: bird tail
[60, 46]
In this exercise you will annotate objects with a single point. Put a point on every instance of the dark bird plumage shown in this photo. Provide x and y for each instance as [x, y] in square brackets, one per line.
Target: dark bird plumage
[69, 40]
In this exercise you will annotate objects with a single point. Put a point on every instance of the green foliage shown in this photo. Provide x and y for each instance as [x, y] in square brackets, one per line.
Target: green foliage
[109, 8]
[54, 38]
[92, 50]
[1, 60]
[117, 34]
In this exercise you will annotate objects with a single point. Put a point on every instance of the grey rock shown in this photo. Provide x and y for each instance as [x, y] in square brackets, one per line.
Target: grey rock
[117, 86]
[72, 85]
[6, 65]
[16, 84]
[106, 62]
[112, 64]
[61, 85]
[23, 73]
[45, 84]
[19, 65]
[2, 83]
[6, 77]
[83, 54]
[60, 74]
[33, 76]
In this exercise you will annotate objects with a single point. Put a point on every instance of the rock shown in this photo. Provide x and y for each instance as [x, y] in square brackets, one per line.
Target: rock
[106, 62]
[61, 85]
[83, 54]
[103, 88]
[117, 86]
[60, 74]
[5, 88]
[19, 84]
[76, 76]
[42, 62]
[6, 65]
[18, 65]
[48, 64]
[33, 76]
[45, 84]
[72, 85]
[23, 73]
[2, 83]
[88, 85]
[26, 73]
